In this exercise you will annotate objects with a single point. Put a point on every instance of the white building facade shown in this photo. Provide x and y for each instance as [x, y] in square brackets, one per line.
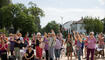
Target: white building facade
[67, 26]
[78, 26]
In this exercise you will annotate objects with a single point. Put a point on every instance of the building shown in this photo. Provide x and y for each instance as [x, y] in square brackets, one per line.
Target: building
[67, 26]
[78, 26]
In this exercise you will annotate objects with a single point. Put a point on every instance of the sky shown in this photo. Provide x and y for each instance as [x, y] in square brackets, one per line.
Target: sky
[70, 10]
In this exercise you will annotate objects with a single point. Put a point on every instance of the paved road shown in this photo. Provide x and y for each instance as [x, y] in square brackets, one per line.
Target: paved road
[65, 58]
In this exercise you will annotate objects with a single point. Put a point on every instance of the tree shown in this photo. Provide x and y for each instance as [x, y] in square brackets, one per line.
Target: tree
[37, 13]
[31, 27]
[20, 17]
[11, 13]
[52, 25]
[4, 2]
[7, 15]
[93, 24]
[103, 20]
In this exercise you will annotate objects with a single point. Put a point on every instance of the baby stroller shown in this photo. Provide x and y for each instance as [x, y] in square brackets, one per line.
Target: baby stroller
[99, 51]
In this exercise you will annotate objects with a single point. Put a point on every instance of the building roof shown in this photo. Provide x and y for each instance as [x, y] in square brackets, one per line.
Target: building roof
[78, 22]
[103, 19]
[67, 22]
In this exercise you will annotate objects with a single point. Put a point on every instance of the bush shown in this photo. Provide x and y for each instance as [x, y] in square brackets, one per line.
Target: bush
[3, 31]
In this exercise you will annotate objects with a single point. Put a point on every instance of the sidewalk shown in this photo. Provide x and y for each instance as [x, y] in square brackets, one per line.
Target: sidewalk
[73, 58]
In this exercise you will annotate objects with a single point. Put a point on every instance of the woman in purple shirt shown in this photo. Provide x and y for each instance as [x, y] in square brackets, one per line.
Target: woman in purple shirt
[91, 45]
[46, 45]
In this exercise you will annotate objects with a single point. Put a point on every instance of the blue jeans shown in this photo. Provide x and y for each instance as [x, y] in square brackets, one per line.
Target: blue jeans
[57, 53]
[79, 53]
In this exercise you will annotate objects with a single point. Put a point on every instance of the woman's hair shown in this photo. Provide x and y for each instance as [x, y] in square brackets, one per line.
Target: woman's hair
[19, 34]
[38, 33]
[29, 46]
[2, 41]
[102, 34]
[53, 34]
[91, 33]
[45, 34]
[49, 34]
[69, 35]
[0, 37]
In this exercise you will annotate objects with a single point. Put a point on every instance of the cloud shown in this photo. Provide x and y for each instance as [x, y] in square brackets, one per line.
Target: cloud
[69, 14]
[102, 2]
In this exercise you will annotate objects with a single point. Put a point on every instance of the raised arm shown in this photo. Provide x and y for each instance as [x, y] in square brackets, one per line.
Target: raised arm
[80, 39]
[72, 40]
[74, 35]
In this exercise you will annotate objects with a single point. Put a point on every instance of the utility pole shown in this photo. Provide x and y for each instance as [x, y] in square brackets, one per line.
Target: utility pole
[62, 20]
[61, 23]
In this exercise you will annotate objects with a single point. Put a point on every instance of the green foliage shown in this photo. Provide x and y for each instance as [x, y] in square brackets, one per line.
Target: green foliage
[22, 18]
[65, 33]
[104, 24]
[93, 24]
[52, 25]
[37, 13]
[4, 2]
[4, 31]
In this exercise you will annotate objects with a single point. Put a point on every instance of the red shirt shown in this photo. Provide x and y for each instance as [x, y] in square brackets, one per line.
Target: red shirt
[75, 42]
[86, 43]
[3, 48]
[27, 39]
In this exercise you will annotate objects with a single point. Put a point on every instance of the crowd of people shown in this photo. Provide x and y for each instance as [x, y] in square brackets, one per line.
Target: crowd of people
[77, 44]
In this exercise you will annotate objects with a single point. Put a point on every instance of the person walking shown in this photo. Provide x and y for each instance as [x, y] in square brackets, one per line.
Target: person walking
[21, 40]
[3, 49]
[91, 45]
[57, 49]
[46, 45]
[83, 43]
[33, 41]
[11, 40]
[101, 40]
[78, 45]
[69, 47]
[26, 40]
[52, 42]
[38, 48]
[17, 47]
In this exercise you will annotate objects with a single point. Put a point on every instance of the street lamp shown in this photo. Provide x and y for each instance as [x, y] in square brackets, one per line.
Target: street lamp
[61, 20]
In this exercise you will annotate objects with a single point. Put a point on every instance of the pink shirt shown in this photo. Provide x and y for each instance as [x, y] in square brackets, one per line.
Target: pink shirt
[91, 43]
[86, 43]
[101, 41]
[2, 48]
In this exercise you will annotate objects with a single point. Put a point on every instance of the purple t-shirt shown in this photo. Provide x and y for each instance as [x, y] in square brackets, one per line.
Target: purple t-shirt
[46, 43]
[91, 43]
[58, 44]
